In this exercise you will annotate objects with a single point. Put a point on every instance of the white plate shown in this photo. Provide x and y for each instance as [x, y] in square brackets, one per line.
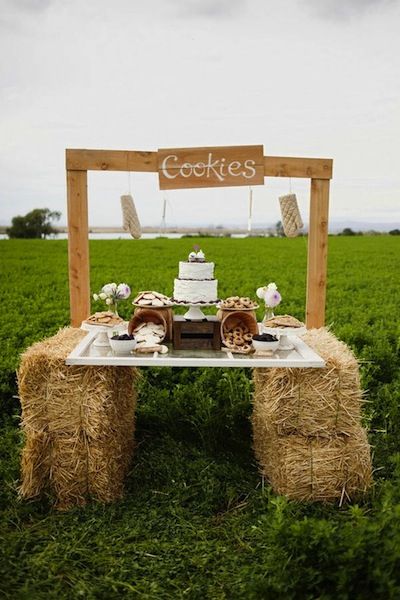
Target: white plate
[237, 309]
[284, 333]
[105, 331]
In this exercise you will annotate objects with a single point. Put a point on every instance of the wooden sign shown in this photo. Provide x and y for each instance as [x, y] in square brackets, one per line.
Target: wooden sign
[218, 166]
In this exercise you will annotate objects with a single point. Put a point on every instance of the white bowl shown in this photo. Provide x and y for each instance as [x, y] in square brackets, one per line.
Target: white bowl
[122, 346]
[265, 346]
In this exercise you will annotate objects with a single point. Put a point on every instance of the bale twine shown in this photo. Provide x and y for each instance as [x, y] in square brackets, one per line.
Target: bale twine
[313, 401]
[78, 422]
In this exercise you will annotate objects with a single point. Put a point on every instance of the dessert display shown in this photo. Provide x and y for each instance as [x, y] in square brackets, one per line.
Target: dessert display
[233, 329]
[238, 303]
[195, 283]
[282, 321]
[104, 319]
[150, 299]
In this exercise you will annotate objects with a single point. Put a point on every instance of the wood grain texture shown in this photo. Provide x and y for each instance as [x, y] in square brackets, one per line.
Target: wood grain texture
[200, 335]
[309, 168]
[214, 166]
[147, 161]
[317, 253]
[111, 160]
[78, 246]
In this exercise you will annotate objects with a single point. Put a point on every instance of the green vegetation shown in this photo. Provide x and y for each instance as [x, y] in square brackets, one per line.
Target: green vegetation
[197, 521]
[36, 224]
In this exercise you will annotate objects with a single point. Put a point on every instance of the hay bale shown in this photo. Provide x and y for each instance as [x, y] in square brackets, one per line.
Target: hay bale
[313, 401]
[78, 421]
[312, 468]
[306, 426]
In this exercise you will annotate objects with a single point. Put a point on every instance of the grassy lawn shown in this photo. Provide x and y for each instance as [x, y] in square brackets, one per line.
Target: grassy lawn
[196, 520]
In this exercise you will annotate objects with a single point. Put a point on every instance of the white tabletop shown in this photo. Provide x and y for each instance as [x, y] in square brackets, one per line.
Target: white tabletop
[301, 356]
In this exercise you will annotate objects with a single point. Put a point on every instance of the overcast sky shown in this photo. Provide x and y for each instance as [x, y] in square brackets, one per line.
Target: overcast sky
[315, 78]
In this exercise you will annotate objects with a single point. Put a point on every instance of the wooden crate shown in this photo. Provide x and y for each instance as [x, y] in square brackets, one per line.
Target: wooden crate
[191, 335]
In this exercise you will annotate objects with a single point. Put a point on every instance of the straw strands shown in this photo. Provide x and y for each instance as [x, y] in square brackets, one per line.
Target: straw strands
[78, 422]
[306, 426]
[313, 401]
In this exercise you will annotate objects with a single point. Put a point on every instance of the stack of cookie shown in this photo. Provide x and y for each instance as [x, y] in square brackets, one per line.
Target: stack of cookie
[149, 337]
[238, 303]
[104, 318]
[160, 304]
[151, 298]
[238, 339]
[237, 330]
[282, 321]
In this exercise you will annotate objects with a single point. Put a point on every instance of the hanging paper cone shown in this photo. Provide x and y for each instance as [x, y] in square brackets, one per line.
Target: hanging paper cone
[131, 221]
[291, 218]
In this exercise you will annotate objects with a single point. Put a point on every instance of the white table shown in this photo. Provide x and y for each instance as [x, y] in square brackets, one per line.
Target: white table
[301, 356]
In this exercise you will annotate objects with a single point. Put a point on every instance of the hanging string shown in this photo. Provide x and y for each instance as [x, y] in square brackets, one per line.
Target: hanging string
[163, 223]
[249, 221]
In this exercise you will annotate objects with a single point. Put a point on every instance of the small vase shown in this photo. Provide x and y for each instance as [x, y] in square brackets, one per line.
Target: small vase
[113, 308]
[269, 314]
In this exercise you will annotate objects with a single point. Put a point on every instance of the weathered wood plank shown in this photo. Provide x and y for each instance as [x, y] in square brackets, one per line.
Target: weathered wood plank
[111, 160]
[78, 246]
[138, 160]
[214, 166]
[311, 168]
[317, 253]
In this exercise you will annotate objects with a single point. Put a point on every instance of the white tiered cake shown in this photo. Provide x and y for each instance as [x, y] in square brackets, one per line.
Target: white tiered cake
[195, 283]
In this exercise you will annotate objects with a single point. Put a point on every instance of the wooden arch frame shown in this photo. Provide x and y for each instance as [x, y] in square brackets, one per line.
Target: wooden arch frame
[79, 162]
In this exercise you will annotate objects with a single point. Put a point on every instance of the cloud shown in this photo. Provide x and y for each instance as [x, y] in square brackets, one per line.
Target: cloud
[15, 12]
[29, 5]
[344, 10]
[210, 9]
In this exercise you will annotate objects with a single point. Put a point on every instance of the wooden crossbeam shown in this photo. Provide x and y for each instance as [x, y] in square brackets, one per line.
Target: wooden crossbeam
[147, 162]
[79, 161]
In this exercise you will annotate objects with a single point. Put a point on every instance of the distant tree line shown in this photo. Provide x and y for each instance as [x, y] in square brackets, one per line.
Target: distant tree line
[36, 224]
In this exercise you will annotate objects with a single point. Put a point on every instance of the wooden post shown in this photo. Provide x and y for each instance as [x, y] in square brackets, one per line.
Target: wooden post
[78, 246]
[317, 253]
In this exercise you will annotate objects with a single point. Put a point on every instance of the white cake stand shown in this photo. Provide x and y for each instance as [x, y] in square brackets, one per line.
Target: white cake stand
[102, 340]
[195, 313]
[284, 334]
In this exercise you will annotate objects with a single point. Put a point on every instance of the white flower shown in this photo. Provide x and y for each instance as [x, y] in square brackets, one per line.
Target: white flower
[200, 254]
[102, 296]
[109, 289]
[260, 292]
[272, 298]
[123, 291]
[96, 297]
[272, 287]
[109, 301]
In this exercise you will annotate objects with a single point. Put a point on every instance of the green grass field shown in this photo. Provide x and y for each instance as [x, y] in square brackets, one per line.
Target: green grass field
[196, 521]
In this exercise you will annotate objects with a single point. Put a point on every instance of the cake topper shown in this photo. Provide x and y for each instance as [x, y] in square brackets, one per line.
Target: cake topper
[197, 255]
